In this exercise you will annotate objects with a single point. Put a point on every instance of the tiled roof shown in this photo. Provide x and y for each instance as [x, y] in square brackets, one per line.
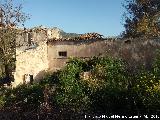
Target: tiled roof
[87, 36]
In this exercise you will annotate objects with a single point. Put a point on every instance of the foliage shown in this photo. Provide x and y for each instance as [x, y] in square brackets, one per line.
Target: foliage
[142, 18]
[109, 89]
[146, 92]
[11, 16]
[106, 72]
[110, 76]
[50, 79]
[23, 96]
[2, 97]
[70, 93]
[156, 65]
[106, 82]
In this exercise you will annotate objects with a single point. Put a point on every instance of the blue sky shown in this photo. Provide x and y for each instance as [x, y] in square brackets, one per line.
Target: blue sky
[77, 16]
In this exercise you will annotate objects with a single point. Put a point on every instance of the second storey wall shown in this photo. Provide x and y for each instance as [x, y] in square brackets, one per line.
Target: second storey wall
[134, 52]
[81, 50]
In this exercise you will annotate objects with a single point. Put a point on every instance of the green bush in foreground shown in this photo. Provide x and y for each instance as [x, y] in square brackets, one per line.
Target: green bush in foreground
[70, 92]
[147, 92]
[107, 78]
[24, 96]
[109, 89]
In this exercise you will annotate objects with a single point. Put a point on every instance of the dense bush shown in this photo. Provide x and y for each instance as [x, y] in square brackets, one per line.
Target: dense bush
[112, 85]
[24, 97]
[70, 92]
[108, 89]
[104, 91]
[146, 89]
[147, 92]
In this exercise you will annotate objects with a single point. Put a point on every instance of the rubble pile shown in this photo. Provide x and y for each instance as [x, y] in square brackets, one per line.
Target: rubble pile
[86, 36]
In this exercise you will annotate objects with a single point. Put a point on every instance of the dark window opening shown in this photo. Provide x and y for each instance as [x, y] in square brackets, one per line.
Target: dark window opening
[29, 38]
[62, 54]
[31, 79]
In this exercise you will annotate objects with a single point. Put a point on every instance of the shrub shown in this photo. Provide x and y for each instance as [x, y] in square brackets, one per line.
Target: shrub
[146, 92]
[109, 89]
[70, 92]
[50, 79]
[24, 96]
[108, 81]
[2, 97]
[146, 88]
[110, 92]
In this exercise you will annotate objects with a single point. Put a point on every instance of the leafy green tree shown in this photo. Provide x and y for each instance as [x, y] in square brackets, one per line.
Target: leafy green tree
[142, 18]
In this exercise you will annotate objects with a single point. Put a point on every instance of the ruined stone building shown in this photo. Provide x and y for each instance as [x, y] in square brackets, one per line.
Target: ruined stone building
[44, 50]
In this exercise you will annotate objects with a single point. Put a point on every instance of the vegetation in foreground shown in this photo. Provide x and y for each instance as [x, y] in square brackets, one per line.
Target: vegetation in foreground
[108, 88]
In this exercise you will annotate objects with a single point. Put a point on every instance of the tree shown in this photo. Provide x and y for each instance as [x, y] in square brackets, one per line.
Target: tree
[142, 18]
[11, 16]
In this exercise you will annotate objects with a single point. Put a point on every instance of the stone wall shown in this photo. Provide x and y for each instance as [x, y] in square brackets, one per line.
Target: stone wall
[40, 34]
[27, 37]
[32, 61]
[81, 49]
[31, 51]
[134, 51]
[44, 57]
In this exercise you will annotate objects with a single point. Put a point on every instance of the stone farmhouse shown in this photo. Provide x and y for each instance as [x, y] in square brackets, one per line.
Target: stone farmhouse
[41, 50]
[47, 50]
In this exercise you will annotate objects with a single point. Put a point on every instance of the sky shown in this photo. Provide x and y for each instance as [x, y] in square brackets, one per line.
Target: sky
[77, 16]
